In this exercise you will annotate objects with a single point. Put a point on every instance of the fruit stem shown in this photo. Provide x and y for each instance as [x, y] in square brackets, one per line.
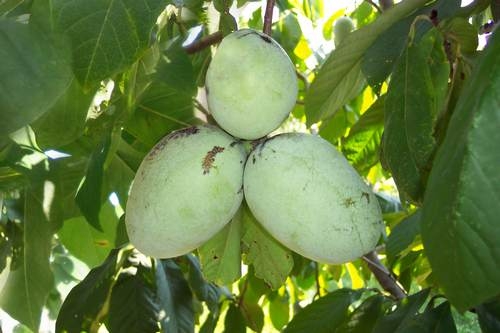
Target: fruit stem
[384, 276]
[204, 42]
[268, 17]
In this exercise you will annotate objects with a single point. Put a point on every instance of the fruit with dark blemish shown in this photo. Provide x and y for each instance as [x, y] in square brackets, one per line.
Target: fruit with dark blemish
[187, 189]
[306, 194]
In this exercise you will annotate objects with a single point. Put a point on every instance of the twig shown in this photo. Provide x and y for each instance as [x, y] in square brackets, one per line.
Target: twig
[268, 17]
[383, 276]
[316, 278]
[374, 5]
[204, 42]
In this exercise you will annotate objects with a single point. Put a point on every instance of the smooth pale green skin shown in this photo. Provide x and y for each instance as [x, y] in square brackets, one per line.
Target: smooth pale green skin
[341, 28]
[173, 205]
[251, 84]
[305, 193]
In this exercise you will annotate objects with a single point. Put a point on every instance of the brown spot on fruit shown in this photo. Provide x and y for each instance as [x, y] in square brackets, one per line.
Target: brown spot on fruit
[172, 136]
[348, 202]
[209, 159]
[182, 133]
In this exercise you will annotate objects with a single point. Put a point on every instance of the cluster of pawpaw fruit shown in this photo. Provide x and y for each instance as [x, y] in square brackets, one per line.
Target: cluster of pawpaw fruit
[298, 186]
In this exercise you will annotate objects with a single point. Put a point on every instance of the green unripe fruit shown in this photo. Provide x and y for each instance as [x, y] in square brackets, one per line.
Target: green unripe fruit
[186, 189]
[305, 193]
[251, 84]
[341, 28]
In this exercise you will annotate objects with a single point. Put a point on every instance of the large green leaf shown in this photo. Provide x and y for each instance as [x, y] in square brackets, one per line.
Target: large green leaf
[27, 287]
[340, 78]
[106, 35]
[221, 255]
[87, 243]
[381, 56]
[174, 298]
[414, 99]
[361, 146]
[460, 213]
[133, 305]
[82, 307]
[68, 113]
[34, 75]
[325, 314]
[271, 260]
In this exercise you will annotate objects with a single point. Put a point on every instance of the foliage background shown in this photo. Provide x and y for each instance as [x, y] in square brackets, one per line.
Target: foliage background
[88, 87]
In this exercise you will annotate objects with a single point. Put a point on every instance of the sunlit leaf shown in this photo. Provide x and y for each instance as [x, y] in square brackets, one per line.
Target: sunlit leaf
[271, 260]
[87, 243]
[27, 287]
[221, 255]
[340, 79]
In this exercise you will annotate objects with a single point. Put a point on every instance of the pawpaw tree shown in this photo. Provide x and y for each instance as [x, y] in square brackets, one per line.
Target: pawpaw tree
[407, 92]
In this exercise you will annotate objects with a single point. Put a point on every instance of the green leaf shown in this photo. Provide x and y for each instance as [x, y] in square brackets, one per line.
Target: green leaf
[460, 211]
[324, 314]
[380, 58]
[175, 298]
[488, 315]
[132, 306]
[406, 309]
[227, 23]
[436, 320]
[106, 35]
[160, 110]
[253, 315]
[27, 287]
[234, 321]
[271, 260]
[364, 317]
[361, 146]
[208, 292]
[460, 31]
[220, 256]
[87, 243]
[340, 78]
[88, 197]
[34, 75]
[279, 310]
[176, 70]
[413, 102]
[69, 113]
[403, 234]
[85, 301]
